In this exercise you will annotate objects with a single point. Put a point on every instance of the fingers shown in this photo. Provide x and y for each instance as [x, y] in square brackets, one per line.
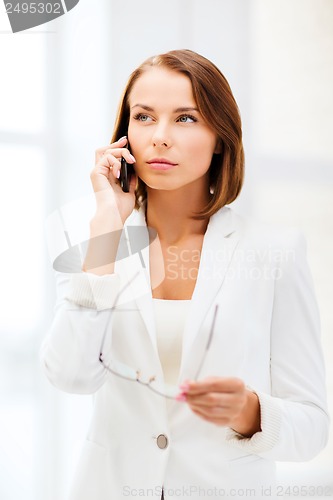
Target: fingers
[215, 399]
[216, 409]
[217, 404]
[212, 399]
[121, 143]
[215, 415]
[112, 160]
[112, 163]
[108, 158]
[228, 385]
[116, 148]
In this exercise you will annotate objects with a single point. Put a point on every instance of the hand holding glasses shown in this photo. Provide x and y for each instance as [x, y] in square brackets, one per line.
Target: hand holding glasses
[134, 375]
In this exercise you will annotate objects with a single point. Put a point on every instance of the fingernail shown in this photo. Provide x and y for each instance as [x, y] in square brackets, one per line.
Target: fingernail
[132, 157]
[184, 386]
[181, 397]
[118, 174]
[121, 138]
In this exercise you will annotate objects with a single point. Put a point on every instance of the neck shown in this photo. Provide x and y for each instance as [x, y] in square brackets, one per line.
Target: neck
[171, 213]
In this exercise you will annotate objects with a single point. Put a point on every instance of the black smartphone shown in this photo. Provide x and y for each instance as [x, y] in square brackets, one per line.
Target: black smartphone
[126, 171]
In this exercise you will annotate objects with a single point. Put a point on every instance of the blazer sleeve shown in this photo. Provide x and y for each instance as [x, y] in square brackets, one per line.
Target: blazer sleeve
[70, 352]
[294, 417]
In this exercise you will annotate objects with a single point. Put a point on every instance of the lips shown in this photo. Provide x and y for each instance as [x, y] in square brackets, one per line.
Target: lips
[161, 163]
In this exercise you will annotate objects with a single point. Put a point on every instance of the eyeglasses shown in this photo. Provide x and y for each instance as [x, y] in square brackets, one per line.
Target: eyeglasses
[152, 382]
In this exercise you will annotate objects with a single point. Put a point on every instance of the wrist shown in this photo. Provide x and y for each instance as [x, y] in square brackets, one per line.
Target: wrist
[248, 422]
[105, 222]
[105, 234]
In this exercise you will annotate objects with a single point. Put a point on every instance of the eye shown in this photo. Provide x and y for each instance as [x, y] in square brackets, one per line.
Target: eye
[187, 119]
[141, 117]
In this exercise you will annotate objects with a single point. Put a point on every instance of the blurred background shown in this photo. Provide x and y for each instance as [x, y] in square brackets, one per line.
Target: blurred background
[59, 90]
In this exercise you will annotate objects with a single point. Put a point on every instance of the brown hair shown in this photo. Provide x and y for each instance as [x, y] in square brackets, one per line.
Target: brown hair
[218, 107]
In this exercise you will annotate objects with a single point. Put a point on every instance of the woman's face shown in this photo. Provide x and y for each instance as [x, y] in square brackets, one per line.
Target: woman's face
[171, 142]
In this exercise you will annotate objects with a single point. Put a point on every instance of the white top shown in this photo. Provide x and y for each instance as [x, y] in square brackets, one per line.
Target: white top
[170, 318]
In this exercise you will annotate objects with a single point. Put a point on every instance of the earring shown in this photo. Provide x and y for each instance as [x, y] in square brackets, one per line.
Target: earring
[211, 190]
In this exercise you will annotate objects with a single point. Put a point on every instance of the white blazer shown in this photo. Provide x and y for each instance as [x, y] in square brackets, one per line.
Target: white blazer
[267, 333]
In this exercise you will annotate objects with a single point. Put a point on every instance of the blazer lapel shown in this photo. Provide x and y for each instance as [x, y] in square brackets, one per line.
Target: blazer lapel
[220, 242]
[136, 240]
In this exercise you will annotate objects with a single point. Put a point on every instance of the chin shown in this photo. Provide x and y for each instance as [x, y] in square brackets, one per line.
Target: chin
[159, 184]
[167, 187]
[173, 183]
[158, 187]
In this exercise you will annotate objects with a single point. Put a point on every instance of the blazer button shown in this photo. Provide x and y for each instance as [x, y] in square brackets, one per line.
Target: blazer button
[162, 441]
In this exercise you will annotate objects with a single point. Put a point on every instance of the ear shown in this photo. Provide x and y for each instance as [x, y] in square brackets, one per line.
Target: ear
[218, 147]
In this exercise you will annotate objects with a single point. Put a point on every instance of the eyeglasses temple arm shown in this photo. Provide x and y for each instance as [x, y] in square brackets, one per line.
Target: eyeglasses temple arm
[113, 307]
[208, 343]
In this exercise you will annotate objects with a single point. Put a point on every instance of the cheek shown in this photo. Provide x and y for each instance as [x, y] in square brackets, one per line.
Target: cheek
[133, 146]
[133, 137]
[201, 150]
[137, 144]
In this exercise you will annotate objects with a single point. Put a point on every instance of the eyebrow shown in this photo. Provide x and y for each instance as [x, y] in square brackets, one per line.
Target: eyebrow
[178, 110]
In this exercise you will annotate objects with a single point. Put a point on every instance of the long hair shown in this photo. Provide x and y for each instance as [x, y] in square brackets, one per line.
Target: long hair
[217, 105]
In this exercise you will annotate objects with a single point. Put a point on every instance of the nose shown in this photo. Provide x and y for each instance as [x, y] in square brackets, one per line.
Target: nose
[161, 136]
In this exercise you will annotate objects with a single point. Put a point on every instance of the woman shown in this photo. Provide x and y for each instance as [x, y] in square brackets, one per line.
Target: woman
[208, 301]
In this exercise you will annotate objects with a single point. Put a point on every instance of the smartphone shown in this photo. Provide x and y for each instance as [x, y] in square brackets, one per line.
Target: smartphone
[126, 171]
